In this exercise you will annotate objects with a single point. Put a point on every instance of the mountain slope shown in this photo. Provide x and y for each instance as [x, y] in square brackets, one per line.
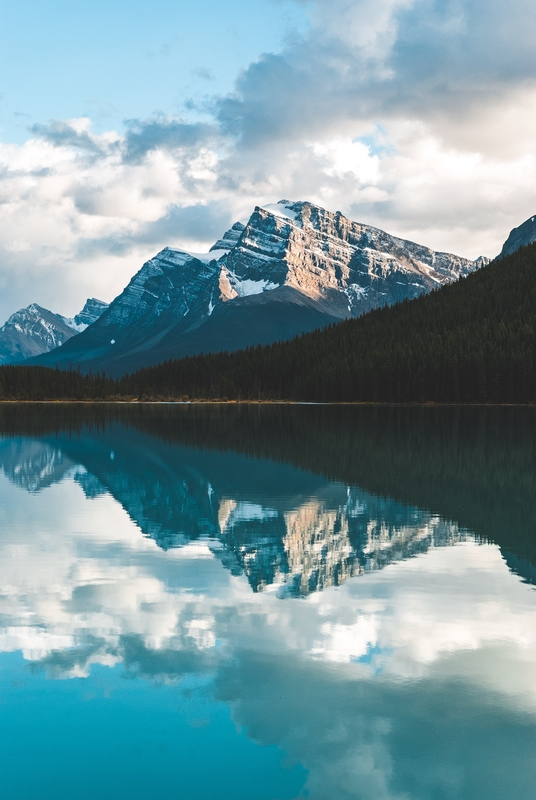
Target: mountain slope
[35, 330]
[519, 237]
[293, 267]
[257, 319]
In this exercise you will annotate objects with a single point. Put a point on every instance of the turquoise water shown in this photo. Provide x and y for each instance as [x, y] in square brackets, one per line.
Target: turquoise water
[267, 602]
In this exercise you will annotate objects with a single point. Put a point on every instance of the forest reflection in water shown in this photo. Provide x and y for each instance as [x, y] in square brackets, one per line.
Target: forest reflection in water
[353, 584]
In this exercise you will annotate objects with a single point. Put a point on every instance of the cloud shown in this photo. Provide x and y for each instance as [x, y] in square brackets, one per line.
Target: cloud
[197, 222]
[378, 739]
[75, 133]
[203, 74]
[165, 134]
[82, 212]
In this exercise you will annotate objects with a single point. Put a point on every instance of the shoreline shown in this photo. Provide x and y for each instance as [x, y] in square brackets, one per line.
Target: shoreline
[265, 403]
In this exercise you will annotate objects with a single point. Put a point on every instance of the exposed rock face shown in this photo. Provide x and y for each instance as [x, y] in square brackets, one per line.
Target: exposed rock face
[293, 267]
[525, 234]
[348, 267]
[35, 330]
[166, 290]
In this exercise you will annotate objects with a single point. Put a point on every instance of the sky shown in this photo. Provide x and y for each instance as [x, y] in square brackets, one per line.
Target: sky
[125, 128]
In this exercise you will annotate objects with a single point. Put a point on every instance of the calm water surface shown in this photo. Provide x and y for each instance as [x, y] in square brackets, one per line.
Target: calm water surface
[267, 603]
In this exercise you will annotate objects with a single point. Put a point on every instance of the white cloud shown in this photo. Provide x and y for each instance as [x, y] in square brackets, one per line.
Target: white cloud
[343, 156]
[78, 222]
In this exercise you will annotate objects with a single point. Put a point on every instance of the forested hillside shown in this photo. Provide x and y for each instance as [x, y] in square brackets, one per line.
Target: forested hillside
[471, 341]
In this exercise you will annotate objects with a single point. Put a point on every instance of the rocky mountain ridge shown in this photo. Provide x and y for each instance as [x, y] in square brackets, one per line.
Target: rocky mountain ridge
[34, 330]
[347, 266]
[292, 268]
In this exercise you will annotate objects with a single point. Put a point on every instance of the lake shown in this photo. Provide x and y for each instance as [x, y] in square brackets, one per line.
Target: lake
[267, 602]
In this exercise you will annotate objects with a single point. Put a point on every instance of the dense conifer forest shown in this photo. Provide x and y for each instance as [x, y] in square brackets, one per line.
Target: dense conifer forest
[470, 342]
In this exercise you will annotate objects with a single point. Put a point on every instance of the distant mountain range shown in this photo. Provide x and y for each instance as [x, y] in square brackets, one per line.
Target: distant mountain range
[473, 341]
[293, 268]
[35, 330]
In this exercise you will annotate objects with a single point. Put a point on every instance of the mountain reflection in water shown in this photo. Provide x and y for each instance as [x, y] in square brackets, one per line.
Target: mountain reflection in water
[218, 544]
[276, 524]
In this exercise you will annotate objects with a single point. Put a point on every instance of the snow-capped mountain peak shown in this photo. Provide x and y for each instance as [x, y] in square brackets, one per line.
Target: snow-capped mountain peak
[293, 267]
[34, 330]
[286, 209]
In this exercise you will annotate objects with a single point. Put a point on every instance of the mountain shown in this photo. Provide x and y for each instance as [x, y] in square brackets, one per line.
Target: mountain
[519, 237]
[474, 341]
[293, 268]
[30, 332]
[35, 330]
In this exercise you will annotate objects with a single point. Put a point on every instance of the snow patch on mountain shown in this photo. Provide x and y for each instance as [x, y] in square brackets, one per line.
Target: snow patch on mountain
[286, 209]
[245, 287]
